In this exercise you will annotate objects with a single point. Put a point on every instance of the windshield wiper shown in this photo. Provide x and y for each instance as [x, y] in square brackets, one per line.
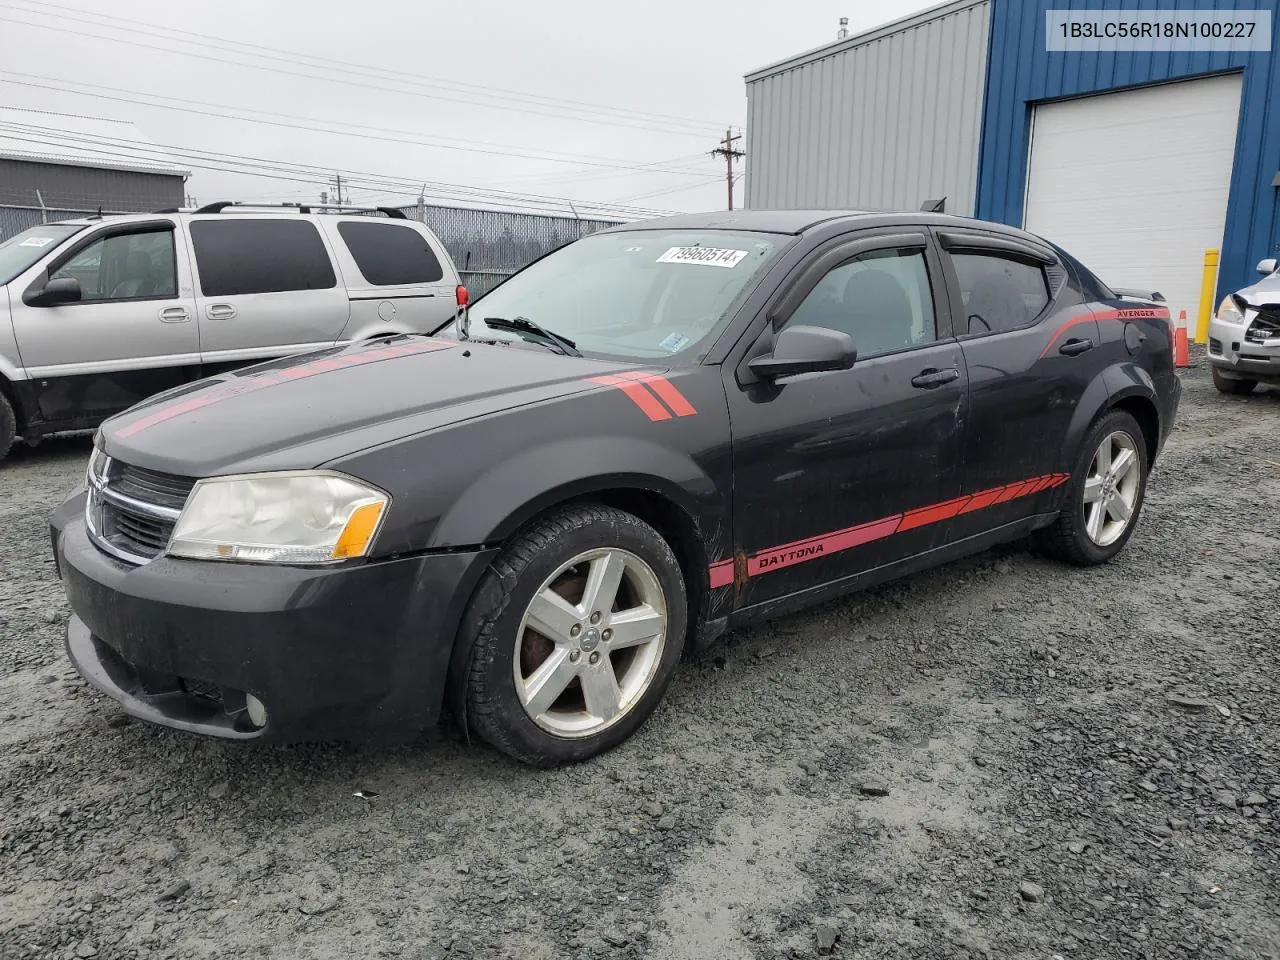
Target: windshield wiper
[523, 325]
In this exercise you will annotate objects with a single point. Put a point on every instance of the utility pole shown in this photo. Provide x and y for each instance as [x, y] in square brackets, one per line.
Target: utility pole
[337, 179]
[730, 154]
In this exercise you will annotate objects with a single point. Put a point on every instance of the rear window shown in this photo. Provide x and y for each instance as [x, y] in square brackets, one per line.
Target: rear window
[236, 256]
[389, 254]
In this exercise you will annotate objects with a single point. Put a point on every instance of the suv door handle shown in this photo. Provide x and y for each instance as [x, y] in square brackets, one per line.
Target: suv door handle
[928, 379]
[174, 315]
[220, 311]
[1075, 347]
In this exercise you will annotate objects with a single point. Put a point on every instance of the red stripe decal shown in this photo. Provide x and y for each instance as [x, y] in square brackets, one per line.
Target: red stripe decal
[927, 515]
[1128, 313]
[815, 547]
[666, 392]
[984, 499]
[638, 395]
[1066, 325]
[217, 392]
[721, 574]
[1042, 484]
[1016, 490]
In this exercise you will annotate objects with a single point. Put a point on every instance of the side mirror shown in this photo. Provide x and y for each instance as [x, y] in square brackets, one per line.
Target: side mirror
[804, 349]
[1268, 267]
[56, 291]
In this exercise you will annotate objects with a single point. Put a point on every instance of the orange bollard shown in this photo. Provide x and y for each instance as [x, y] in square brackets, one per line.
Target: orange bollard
[1181, 357]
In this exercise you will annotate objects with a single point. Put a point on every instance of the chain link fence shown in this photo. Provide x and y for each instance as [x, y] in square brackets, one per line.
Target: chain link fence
[490, 245]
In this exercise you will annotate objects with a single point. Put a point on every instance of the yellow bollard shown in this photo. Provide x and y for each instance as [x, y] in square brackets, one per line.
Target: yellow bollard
[1208, 284]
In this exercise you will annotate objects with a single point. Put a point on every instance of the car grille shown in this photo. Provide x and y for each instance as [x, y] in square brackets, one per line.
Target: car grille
[131, 511]
[1265, 326]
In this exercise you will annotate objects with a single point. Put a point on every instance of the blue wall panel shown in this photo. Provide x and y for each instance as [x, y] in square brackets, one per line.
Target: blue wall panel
[1021, 73]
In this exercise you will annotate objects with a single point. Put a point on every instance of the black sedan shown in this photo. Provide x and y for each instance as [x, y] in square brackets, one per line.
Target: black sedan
[653, 435]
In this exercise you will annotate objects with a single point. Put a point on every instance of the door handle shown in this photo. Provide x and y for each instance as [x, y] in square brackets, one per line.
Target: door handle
[1075, 347]
[928, 379]
[220, 311]
[174, 315]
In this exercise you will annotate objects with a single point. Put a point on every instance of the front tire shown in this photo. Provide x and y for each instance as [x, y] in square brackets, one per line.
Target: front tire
[574, 635]
[1104, 496]
[8, 427]
[1236, 386]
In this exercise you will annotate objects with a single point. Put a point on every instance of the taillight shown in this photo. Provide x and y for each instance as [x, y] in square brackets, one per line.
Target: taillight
[463, 297]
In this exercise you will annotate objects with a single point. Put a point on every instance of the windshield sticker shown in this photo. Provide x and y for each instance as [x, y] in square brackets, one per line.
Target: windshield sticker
[675, 342]
[635, 249]
[36, 242]
[706, 256]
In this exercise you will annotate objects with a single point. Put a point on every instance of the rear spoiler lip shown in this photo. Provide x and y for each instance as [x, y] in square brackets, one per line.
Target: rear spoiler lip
[1133, 293]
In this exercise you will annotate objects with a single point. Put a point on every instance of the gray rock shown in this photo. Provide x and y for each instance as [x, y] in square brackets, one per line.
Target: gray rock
[1078, 846]
[1226, 798]
[653, 808]
[874, 788]
[615, 939]
[667, 823]
[174, 892]
[219, 790]
[825, 937]
[1031, 892]
[118, 720]
[86, 949]
[1175, 824]
[1190, 704]
[1162, 831]
[1148, 786]
[1254, 800]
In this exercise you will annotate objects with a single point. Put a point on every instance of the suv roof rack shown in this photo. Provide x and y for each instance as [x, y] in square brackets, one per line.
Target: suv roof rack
[222, 205]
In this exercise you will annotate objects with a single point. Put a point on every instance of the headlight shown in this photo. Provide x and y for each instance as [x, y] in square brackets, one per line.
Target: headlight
[1229, 312]
[312, 517]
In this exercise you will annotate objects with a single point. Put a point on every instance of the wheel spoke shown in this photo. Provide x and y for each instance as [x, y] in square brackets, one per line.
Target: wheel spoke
[635, 626]
[1093, 489]
[603, 580]
[1122, 464]
[544, 685]
[1118, 509]
[1097, 513]
[1104, 457]
[552, 616]
[600, 690]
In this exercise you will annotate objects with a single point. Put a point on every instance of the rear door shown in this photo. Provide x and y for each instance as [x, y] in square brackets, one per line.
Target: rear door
[265, 287]
[1031, 347]
[132, 333]
[838, 473]
[398, 277]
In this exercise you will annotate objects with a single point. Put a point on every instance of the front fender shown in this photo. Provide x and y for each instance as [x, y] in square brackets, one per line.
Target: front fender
[513, 491]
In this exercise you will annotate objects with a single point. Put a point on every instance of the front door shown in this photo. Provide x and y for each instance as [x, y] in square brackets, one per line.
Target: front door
[131, 334]
[266, 287]
[839, 473]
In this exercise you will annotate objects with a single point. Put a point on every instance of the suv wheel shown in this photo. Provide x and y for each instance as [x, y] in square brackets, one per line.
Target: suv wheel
[8, 426]
[574, 636]
[1104, 496]
[1233, 385]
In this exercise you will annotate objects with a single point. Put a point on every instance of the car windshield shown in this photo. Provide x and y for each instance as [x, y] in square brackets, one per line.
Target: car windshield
[641, 294]
[21, 251]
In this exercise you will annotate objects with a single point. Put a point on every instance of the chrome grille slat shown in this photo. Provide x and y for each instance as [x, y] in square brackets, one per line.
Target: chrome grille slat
[131, 511]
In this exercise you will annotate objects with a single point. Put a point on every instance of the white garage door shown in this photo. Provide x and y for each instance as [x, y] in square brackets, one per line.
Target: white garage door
[1134, 184]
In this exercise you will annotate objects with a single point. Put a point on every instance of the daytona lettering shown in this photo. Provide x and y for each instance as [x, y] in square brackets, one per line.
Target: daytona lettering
[789, 556]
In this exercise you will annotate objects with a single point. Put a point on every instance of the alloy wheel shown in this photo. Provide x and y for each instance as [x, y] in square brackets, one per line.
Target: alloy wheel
[590, 642]
[1111, 488]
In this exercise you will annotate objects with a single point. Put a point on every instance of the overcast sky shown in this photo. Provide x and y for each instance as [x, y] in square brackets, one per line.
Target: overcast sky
[394, 93]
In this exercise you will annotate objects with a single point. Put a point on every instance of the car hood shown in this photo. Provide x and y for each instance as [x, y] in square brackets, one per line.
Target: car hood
[1265, 291]
[304, 411]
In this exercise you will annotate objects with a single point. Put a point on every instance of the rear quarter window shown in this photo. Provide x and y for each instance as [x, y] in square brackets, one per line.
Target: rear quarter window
[237, 257]
[388, 254]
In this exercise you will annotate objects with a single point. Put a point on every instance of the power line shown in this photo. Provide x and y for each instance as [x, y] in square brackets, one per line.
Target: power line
[128, 149]
[327, 76]
[311, 124]
[662, 193]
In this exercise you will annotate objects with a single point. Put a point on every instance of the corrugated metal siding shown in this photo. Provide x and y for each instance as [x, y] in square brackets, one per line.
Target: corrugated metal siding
[1022, 72]
[884, 121]
[86, 188]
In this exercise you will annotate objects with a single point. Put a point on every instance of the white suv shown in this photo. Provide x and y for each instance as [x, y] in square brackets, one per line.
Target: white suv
[97, 314]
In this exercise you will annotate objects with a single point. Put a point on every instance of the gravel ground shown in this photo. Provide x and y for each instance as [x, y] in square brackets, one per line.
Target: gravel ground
[1001, 758]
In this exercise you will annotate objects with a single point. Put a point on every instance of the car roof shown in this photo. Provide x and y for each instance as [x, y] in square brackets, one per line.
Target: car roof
[796, 222]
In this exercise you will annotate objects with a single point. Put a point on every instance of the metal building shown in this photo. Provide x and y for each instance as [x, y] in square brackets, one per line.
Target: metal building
[881, 121]
[1137, 162]
[56, 166]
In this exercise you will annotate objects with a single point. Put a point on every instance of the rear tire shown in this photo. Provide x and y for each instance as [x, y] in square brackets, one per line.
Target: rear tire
[574, 633]
[1232, 385]
[1104, 495]
[8, 426]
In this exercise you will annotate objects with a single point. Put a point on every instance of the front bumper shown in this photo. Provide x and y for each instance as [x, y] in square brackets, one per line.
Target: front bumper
[1231, 353]
[347, 652]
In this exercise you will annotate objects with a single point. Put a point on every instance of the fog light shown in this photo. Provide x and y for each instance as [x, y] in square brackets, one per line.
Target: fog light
[257, 710]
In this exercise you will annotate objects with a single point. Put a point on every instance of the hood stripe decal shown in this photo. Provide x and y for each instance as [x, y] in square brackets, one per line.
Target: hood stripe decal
[251, 383]
[720, 573]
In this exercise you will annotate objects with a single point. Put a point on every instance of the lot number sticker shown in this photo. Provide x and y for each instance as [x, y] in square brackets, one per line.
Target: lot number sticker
[36, 242]
[705, 256]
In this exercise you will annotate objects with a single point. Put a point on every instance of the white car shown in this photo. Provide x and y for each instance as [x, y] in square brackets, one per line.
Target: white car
[1244, 336]
[99, 313]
